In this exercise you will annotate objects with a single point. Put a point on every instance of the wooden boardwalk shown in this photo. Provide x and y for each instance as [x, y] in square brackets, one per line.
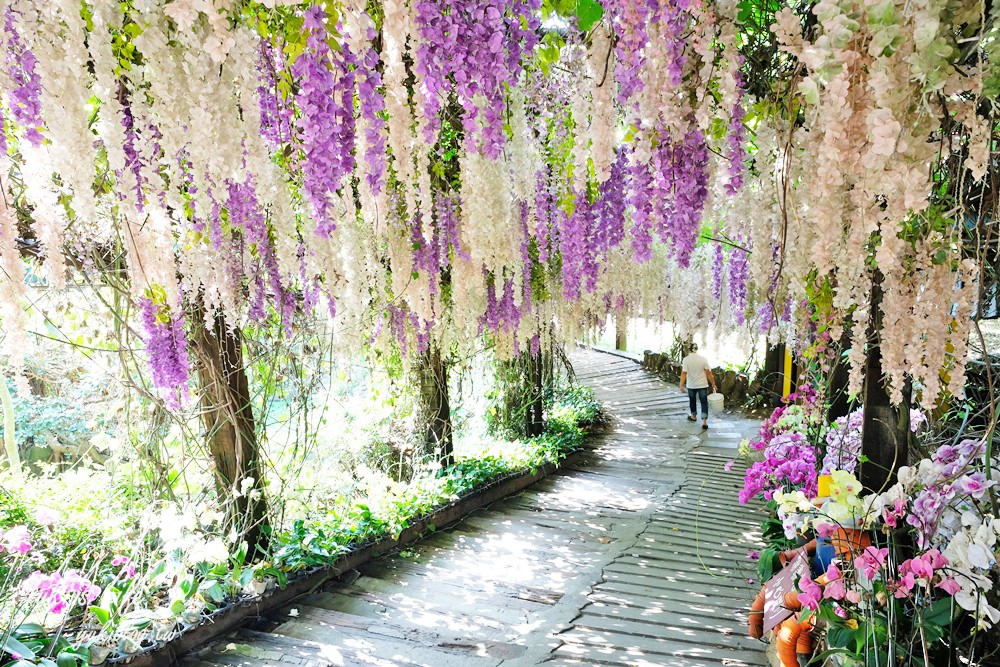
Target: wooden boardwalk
[634, 556]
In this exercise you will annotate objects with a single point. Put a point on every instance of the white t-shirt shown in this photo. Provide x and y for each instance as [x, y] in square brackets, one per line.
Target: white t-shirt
[695, 366]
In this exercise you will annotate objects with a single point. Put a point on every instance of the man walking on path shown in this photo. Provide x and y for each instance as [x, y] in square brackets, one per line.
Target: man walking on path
[697, 376]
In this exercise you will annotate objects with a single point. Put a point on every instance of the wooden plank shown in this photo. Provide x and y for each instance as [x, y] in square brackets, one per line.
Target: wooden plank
[634, 657]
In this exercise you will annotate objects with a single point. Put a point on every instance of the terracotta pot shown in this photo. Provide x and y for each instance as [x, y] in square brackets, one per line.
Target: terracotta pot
[793, 638]
[786, 556]
[756, 616]
[850, 541]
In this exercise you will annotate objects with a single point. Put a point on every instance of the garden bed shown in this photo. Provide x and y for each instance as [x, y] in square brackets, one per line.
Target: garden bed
[239, 612]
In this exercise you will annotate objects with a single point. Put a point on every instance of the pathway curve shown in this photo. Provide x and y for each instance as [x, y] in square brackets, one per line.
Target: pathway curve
[634, 555]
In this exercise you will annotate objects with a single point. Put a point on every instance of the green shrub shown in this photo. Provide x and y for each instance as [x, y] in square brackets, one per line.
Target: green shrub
[313, 543]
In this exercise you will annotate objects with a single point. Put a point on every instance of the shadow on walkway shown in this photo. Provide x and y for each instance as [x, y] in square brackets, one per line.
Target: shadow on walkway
[634, 555]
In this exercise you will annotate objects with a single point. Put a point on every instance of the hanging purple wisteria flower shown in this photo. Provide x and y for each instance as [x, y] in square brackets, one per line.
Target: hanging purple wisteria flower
[25, 95]
[642, 205]
[673, 18]
[166, 349]
[475, 47]
[737, 140]
[276, 117]
[246, 215]
[629, 19]
[738, 275]
[611, 204]
[678, 189]
[718, 271]
[326, 124]
[446, 211]
[574, 234]
[133, 161]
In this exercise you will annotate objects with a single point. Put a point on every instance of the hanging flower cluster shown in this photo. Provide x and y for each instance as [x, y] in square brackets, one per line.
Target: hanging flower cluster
[166, 344]
[326, 124]
[458, 168]
[476, 48]
[856, 184]
[25, 91]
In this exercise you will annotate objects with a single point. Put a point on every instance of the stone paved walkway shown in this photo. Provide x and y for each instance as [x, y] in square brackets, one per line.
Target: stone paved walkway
[634, 556]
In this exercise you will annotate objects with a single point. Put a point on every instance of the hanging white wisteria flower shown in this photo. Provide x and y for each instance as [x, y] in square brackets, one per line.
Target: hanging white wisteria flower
[429, 176]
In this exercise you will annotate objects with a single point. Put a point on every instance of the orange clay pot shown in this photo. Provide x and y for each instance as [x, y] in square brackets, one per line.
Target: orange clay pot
[756, 616]
[785, 557]
[850, 541]
[795, 637]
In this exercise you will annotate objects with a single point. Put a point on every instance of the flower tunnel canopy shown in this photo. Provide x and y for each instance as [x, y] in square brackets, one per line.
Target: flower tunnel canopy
[431, 171]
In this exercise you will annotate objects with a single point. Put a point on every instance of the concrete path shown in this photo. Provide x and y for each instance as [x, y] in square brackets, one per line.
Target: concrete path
[634, 556]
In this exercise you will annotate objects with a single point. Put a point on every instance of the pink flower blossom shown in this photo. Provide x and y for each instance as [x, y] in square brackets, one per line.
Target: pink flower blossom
[128, 567]
[789, 461]
[949, 586]
[46, 517]
[835, 588]
[974, 485]
[904, 585]
[811, 593]
[61, 592]
[825, 529]
[843, 443]
[17, 540]
[921, 568]
[871, 561]
[892, 516]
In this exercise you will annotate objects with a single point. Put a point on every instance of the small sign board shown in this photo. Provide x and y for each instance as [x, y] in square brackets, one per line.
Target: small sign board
[785, 581]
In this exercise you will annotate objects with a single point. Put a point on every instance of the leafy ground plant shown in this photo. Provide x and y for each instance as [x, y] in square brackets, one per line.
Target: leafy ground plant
[73, 597]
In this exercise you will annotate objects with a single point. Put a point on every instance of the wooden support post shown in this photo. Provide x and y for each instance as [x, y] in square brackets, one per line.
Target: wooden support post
[621, 329]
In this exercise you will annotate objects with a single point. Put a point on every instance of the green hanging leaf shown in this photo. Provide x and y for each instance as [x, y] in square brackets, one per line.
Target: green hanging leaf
[588, 13]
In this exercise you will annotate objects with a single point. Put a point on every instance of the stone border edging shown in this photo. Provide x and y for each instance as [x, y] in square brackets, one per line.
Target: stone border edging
[234, 615]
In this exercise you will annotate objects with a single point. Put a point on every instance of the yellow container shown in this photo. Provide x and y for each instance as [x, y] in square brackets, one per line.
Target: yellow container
[823, 484]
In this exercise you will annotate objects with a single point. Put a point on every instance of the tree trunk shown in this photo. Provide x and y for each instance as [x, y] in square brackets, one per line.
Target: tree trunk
[837, 397]
[435, 408]
[885, 432]
[230, 430]
[621, 329]
[535, 421]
